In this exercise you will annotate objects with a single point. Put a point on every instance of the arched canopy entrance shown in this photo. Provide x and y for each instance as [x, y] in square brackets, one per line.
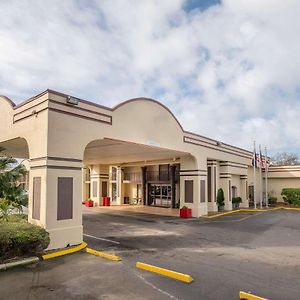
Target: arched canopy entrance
[132, 173]
[17, 148]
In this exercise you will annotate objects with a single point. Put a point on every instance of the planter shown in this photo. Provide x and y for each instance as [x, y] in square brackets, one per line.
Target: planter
[185, 213]
[221, 208]
[89, 203]
[106, 201]
[235, 205]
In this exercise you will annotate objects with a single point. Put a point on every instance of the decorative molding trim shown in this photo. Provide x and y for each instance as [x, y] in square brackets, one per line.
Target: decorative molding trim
[200, 143]
[56, 158]
[55, 167]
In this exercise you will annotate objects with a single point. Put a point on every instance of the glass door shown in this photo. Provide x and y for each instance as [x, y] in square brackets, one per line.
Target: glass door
[160, 195]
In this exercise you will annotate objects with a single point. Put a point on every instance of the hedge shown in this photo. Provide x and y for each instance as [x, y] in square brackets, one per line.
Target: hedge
[21, 239]
[292, 195]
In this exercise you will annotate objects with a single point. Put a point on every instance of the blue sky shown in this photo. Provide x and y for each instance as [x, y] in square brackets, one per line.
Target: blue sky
[227, 69]
[199, 4]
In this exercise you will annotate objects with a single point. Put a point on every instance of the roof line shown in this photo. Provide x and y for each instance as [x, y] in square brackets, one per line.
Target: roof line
[115, 108]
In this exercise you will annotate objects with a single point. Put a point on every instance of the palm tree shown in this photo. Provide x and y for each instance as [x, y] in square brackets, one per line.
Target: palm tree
[10, 189]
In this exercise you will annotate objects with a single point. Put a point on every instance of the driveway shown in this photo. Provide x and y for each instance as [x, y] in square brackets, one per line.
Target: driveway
[257, 252]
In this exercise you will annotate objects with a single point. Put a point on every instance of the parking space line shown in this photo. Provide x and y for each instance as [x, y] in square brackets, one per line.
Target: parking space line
[101, 239]
[165, 272]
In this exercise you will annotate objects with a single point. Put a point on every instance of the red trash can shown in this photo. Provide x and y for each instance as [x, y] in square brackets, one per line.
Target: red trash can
[106, 201]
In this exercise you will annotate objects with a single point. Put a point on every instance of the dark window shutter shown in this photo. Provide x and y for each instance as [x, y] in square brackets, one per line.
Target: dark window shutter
[209, 183]
[36, 198]
[189, 191]
[202, 191]
[64, 198]
[104, 188]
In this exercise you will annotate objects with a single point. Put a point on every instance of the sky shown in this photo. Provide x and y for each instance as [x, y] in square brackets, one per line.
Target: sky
[228, 69]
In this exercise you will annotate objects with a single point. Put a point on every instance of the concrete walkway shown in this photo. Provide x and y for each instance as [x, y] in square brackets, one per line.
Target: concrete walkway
[172, 212]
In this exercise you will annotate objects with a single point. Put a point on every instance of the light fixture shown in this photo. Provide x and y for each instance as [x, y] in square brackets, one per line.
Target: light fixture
[73, 100]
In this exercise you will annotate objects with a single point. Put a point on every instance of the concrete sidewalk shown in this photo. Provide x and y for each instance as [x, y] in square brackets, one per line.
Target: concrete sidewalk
[143, 209]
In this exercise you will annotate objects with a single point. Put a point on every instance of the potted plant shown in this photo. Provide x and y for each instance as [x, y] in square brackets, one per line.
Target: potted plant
[89, 203]
[236, 202]
[185, 212]
[272, 201]
[220, 199]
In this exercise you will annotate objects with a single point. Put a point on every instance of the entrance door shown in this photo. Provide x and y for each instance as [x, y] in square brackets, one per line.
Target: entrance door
[160, 195]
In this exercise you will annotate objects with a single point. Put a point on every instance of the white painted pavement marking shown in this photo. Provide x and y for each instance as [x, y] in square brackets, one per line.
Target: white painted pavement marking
[155, 287]
[101, 239]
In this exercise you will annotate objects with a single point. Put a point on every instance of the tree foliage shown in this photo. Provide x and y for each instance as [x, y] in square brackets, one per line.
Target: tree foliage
[284, 158]
[11, 192]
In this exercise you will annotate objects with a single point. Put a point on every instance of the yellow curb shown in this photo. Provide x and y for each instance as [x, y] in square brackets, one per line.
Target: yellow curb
[246, 210]
[165, 272]
[259, 209]
[249, 296]
[64, 252]
[222, 214]
[291, 208]
[103, 254]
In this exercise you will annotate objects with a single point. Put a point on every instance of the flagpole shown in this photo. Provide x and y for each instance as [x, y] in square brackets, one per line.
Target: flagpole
[254, 176]
[266, 176]
[260, 177]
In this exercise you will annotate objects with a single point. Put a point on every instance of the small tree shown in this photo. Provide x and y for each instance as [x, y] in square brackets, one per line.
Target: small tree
[220, 197]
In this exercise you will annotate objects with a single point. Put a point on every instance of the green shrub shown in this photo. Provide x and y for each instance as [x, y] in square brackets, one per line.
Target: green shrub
[272, 200]
[292, 195]
[220, 197]
[21, 238]
[236, 200]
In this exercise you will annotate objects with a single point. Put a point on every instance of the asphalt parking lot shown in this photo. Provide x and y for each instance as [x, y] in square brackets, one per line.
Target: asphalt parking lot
[257, 252]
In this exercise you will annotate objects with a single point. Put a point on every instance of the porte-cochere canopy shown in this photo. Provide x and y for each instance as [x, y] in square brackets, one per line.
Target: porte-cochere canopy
[63, 136]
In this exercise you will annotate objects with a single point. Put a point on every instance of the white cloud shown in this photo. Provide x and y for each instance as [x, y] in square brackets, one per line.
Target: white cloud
[229, 72]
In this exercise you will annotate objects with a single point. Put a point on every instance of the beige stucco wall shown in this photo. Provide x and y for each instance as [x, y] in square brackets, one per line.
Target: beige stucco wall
[57, 135]
[275, 186]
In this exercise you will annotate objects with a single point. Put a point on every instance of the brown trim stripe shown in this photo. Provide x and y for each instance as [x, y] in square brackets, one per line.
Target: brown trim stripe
[80, 108]
[56, 158]
[56, 167]
[63, 112]
[216, 149]
[28, 116]
[196, 170]
[184, 175]
[79, 116]
[31, 107]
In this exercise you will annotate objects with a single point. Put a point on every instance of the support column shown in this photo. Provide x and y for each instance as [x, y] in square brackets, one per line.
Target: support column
[144, 185]
[225, 184]
[95, 185]
[243, 191]
[212, 185]
[173, 185]
[193, 182]
[55, 196]
[119, 186]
